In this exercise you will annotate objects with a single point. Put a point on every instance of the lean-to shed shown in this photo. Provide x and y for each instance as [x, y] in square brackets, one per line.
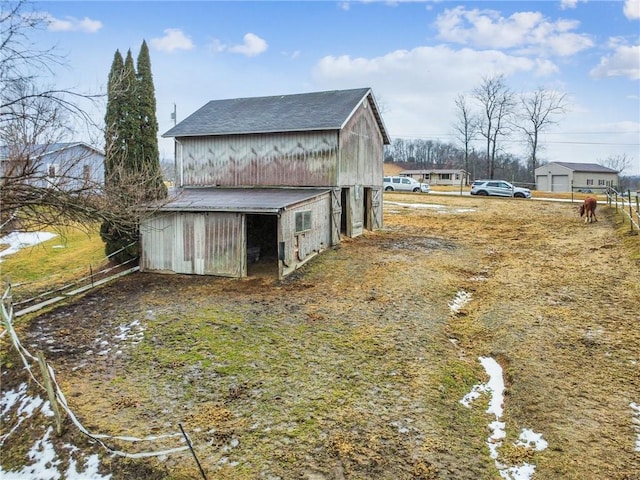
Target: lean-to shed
[279, 178]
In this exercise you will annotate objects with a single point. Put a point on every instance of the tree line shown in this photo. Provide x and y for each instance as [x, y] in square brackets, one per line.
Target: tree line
[428, 154]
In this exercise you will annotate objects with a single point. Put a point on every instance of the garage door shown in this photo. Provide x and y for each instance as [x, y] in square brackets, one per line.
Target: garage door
[542, 183]
[560, 183]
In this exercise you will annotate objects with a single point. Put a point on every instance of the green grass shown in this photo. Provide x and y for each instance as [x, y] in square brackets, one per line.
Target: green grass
[54, 262]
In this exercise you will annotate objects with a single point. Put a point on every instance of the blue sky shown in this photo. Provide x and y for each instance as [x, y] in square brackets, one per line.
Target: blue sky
[417, 57]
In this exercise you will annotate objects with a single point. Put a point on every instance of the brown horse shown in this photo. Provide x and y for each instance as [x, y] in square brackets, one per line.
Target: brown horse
[589, 208]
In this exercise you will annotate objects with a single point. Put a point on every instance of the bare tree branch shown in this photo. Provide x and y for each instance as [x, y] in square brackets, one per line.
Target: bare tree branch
[497, 102]
[539, 110]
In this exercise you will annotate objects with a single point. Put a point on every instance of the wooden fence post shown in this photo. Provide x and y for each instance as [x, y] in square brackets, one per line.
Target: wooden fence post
[48, 384]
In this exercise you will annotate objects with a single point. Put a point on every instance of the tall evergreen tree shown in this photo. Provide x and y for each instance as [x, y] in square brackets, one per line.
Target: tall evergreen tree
[130, 120]
[113, 141]
[149, 125]
[132, 164]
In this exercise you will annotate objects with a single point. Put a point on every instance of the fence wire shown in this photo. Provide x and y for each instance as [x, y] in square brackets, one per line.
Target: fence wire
[28, 359]
[627, 206]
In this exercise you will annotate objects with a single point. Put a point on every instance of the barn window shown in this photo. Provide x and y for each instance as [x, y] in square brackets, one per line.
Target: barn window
[52, 170]
[86, 173]
[303, 221]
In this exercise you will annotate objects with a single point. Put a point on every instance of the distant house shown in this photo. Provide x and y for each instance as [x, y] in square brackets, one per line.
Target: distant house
[439, 176]
[276, 178]
[68, 166]
[563, 176]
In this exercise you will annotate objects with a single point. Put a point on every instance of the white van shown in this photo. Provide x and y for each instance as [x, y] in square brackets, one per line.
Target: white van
[404, 184]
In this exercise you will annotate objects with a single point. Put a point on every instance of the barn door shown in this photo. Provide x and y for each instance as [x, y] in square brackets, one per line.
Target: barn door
[210, 243]
[374, 208]
[336, 215]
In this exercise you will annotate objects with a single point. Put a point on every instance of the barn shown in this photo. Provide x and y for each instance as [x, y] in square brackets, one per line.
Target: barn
[565, 176]
[268, 180]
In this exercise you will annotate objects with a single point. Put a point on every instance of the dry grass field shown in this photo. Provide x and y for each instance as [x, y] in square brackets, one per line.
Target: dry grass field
[355, 366]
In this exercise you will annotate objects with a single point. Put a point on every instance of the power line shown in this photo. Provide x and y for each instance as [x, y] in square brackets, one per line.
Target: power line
[507, 140]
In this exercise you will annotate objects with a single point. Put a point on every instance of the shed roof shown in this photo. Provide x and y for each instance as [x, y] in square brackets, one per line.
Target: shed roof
[329, 110]
[245, 200]
[585, 167]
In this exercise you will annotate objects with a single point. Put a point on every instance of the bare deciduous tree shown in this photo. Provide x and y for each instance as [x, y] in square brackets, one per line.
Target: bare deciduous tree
[540, 110]
[34, 118]
[497, 102]
[465, 127]
[617, 162]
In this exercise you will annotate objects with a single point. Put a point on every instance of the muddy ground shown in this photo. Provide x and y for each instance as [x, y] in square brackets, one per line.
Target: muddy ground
[354, 366]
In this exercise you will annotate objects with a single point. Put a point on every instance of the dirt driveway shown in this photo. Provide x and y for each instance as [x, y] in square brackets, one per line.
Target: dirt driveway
[371, 361]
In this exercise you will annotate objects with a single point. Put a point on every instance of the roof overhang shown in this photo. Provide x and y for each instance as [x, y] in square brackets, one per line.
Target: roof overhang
[240, 200]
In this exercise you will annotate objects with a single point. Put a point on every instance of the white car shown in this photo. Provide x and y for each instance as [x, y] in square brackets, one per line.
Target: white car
[499, 188]
[404, 184]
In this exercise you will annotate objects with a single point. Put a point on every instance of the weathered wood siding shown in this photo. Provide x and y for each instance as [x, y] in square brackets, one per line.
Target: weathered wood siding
[361, 149]
[279, 159]
[202, 243]
[301, 247]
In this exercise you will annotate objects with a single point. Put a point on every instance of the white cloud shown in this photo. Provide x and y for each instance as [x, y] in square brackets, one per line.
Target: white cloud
[421, 83]
[632, 9]
[253, 45]
[70, 24]
[217, 46]
[292, 55]
[174, 39]
[528, 31]
[568, 4]
[623, 62]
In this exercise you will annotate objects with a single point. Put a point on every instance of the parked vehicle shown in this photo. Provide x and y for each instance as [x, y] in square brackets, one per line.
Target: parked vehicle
[499, 188]
[404, 184]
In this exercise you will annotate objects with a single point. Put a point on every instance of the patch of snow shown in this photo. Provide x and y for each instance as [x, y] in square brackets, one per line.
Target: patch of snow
[528, 438]
[20, 240]
[636, 423]
[416, 205]
[522, 472]
[460, 300]
[10, 398]
[465, 210]
[45, 465]
[495, 385]
[42, 453]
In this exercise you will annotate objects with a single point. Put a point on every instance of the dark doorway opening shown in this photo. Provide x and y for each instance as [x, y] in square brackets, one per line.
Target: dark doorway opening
[366, 208]
[344, 202]
[262, 244]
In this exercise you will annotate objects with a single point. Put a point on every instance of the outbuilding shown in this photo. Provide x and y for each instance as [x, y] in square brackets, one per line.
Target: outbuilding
[275, 180]
[439, 176]
[565, 176]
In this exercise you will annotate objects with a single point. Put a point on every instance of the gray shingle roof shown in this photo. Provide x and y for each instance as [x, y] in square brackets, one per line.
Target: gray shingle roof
[281, 113]
[586, 167]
